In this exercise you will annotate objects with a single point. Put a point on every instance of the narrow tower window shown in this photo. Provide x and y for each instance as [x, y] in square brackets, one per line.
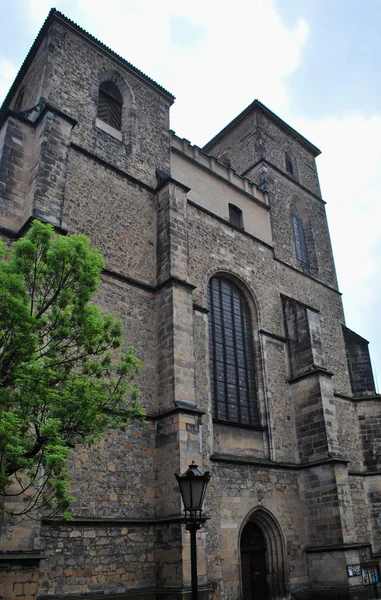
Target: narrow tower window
[231, 354]
[235, 216]
[299, 236]
[19, 101]
[110, 104]
[289, 165]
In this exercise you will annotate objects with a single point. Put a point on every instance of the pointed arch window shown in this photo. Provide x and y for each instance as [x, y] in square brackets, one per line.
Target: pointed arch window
[110, 104]
[231, 354]
[299, 236]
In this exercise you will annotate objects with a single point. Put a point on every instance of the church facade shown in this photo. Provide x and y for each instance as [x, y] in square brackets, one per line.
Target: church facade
[219, 263]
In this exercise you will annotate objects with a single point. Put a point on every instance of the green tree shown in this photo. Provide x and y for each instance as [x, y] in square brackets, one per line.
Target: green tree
[64, 379]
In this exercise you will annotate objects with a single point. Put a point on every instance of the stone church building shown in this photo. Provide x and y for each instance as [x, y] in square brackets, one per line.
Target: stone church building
[219, 262]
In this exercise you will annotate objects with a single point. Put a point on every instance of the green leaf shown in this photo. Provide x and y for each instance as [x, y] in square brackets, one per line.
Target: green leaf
[63, 378]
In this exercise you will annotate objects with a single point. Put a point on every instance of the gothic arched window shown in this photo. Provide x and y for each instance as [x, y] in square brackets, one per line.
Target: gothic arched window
[110, 104]
[299, 236]
[231, 355]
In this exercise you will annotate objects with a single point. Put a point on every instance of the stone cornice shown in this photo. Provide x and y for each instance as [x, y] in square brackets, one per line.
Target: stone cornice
[319, 281]
[274, 336]
[113, 521]
[267, 464]
[365, 473]
[314, 371]
[370, 398]
[180, 407]
[335, 547]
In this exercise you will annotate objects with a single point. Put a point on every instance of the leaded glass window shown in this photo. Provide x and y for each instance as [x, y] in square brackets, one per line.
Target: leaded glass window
[299, 236]
[110, 104]
[231, 353]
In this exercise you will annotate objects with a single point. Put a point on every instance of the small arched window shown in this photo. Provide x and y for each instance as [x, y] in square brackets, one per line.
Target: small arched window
[235, 216]
[231, 355]
[289, 165]
[110, 104]
[299, 236]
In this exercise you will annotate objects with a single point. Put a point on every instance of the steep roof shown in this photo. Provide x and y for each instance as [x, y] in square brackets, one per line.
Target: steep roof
[56, 16]
[257, 105]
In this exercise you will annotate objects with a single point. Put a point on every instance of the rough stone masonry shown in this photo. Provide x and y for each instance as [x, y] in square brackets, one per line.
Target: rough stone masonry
[294, 497]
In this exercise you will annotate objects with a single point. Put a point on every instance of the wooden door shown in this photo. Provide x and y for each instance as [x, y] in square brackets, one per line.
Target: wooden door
[253, 564]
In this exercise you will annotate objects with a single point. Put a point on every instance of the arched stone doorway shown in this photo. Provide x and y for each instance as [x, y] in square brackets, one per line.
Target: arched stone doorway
[253, 563]
[262, 558]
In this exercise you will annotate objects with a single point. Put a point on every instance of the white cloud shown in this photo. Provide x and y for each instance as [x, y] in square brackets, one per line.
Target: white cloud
[38, 11]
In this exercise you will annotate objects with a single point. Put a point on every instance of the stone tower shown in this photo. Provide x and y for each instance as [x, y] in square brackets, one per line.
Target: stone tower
[219, 262]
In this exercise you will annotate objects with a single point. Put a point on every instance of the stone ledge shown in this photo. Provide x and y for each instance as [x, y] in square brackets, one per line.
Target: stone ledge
[180, 407]
[114, 168]
[335, 547]
[26, 225]
[364, 473]
[19, 558]
[247, 460]
[313, 371]
[359, 592]
[204, 593]
[163, 182]
[329, 287]
[177, 281]
[115, 133]
[275, 336]
[113, 521]
[199, 308]
[240, 425]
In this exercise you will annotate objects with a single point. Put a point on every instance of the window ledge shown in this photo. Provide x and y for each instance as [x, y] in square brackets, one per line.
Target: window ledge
[108, 129]
[240, 425]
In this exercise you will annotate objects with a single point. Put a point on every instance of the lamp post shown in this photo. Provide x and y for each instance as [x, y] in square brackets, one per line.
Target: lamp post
[193, 486]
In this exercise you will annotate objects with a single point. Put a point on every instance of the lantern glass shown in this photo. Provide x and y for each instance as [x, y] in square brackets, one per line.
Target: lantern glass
[193, 487]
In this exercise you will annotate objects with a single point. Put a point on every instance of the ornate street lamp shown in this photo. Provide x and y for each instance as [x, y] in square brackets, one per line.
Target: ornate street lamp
[193, 486]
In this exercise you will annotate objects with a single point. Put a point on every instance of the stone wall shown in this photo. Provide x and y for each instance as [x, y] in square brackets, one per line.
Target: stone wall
[32, 84]
[75, 90]
[261, 135]
[90, 558]
[359, 365]
[122, 225]
[369, 420]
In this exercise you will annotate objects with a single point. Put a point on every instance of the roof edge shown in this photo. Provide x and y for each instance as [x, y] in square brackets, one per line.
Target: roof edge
[56, 16]
[256, 104]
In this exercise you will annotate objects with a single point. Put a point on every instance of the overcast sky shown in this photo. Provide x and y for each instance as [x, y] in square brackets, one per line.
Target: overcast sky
[315, 63]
